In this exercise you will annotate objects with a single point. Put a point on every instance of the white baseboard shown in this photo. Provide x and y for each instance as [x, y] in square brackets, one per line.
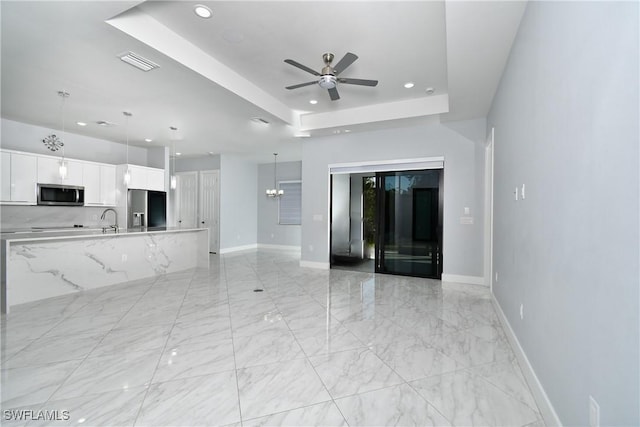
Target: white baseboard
[238, 248]
[544, 404]
[471, 280]
[279, 247]
[313, 264]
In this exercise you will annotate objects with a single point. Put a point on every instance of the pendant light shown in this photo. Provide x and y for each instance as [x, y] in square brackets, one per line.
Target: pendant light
[173, 182]
[274, 192]
[62, 168]
[127, 173]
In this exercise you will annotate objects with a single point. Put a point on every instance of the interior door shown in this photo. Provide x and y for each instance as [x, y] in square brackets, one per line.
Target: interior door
[209, 199]
[187, 199]
[409, 237]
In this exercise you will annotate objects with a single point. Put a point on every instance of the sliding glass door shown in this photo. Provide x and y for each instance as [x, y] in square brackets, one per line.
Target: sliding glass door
[409, 223]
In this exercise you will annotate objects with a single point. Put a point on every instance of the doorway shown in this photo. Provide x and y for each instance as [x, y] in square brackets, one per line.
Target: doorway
[388, 222]
[409, 223]
[197, 203]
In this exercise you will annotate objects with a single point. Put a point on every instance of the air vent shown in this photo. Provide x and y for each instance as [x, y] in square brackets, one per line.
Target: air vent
[259, 120]
[138, 61]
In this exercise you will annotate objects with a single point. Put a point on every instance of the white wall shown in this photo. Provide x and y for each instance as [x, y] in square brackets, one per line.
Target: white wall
[238, 203]
[462, 243]
[269, 231]
[26, 137]
[566, 125]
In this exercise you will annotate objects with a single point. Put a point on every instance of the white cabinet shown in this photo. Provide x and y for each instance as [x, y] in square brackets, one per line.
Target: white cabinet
[144, 178]
[91, 182]
[99, 184]
[108, 185]
[49, 171]
[22, 177]
[155, 179]
[5, 183]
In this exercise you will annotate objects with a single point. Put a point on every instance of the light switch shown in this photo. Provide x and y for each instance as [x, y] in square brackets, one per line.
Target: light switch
[522, 192]
[466, 210]
[515, 193]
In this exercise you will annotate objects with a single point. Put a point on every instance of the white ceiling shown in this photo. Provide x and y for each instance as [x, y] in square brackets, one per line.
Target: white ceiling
[216, 74]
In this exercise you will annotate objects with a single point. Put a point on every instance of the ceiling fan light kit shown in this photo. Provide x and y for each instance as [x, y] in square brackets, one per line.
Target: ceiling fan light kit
[328, 78]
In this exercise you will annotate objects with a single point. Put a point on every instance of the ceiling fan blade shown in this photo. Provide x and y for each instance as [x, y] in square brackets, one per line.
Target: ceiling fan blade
[302, 85]
[360, 82]
[346, 60]
[333, 93]
[302, 67]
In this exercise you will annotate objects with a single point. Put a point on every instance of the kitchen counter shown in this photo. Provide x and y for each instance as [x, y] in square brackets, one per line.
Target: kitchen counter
[29, 234]
[48, 263]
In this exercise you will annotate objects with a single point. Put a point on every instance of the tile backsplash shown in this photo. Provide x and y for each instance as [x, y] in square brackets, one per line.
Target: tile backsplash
[13, 217]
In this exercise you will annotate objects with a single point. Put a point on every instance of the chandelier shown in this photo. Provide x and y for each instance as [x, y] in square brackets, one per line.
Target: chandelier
[274, 192]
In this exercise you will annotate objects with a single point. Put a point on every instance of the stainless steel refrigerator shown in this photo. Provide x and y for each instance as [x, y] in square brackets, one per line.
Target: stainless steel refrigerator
[146, 209]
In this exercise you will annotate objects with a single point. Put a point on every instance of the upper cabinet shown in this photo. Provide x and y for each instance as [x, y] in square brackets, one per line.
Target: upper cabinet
[99, 182]
[49, 171]
[19, 172]
[144, 178]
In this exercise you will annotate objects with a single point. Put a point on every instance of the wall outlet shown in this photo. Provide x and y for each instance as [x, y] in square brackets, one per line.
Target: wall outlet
[124, 257]
[594, 413]
[521, 311]
[496, 276]
[515, 193]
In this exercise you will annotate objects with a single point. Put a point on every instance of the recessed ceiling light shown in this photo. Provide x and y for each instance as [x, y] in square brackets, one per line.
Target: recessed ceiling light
[409, 85]
[202, 11]
[105, 123]
[347, 130]
[148, 140]
[429, 90]
[178, 154]
[313, 101]
[81, 123]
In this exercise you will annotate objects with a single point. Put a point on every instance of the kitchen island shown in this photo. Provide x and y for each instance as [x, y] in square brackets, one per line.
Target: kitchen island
[39, 265]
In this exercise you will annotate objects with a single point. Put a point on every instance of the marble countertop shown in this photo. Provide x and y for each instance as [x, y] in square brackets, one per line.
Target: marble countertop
[28, 235]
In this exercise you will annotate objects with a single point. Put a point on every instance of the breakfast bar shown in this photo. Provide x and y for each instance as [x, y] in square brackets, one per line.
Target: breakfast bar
[39, 265]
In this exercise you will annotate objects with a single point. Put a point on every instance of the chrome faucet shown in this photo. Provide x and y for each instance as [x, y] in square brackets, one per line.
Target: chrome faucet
[115, 215]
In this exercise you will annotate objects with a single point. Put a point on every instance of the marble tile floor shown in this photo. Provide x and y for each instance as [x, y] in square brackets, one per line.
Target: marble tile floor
[201, 348]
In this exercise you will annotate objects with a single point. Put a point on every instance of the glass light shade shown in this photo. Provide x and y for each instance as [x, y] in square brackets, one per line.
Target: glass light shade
[173, 184]
[62, 170]
[127, 177]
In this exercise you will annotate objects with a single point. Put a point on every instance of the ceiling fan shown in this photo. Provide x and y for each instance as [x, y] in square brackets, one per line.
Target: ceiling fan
[329, 75]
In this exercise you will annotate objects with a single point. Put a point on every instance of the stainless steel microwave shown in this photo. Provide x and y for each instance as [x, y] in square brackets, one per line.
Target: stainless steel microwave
[60, 195]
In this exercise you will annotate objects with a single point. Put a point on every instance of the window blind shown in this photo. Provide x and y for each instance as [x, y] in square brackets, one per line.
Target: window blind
[290, 211]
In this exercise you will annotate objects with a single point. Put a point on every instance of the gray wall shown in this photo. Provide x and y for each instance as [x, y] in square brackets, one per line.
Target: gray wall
[566, 119]
[205, 163]
[462, 243]
[269, 231]
[28, 138]
[238, 202]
